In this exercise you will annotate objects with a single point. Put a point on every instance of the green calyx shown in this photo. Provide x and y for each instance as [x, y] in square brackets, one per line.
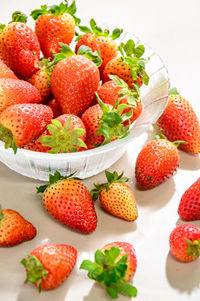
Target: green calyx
[193, 248]
[63, 139]
[7, 137]
[57, 10]
[133, 57]
[111, 124]
[35, 270]
[162, 136]
[174, 91]
[94, 56]
[109, 272]
[111, 178]
[98, 31]
[2, 27]
[1, 213]
[18, 16]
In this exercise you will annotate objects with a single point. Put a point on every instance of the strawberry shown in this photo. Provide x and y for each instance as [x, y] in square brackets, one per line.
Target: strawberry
[75, 79]
[97, 39]
[15, 91]
[157, 161]
[53, 104]
[19, 46]
[185, 242]
[104, 124]
[189, 207]
[130, 66]
[69, 201]
[115, 264]
[179, 122]
[5, 71]
[55, 24]
[65, 134]
[116, 197]
[48, 266]
[14, 229]
[22, 123]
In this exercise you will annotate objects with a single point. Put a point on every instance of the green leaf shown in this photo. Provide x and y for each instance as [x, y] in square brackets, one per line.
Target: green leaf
[66, 50]
[39, 12]
[84, 29]
[112, 292]
[116, 33]
[139, 51]
[7, 137]
[174, 91]
[72, 8]
[178, 142]
[104, 107]
[42, 188]
[99, 257]
[91, 267]
[18, 16]
[127, 289]
[1, 213]
[55, 177]
[93, 56]
[111, 255]
[109, 176]
[93, 24]
[129, 47]
[2, 26]
[112, 118]
[118, 81]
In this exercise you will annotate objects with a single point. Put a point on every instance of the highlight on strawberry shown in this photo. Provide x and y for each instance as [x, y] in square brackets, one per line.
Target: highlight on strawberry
[114, 267]
[116, 197]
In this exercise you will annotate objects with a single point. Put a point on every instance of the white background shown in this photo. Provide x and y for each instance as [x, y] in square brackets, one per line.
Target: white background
[172, 29]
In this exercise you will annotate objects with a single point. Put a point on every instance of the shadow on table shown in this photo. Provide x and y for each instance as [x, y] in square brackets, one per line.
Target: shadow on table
[188, 161]
[181, 222]
[184, 277]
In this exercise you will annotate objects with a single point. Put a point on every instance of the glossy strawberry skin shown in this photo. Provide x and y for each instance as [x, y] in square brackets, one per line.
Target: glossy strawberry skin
[74, 82]
[20, 49]
[14, 229]
[189, 207]
[157, 161]
[70, 202]
[179, 122]
[177, 241]
[26, 121]
[51, 30]
[42, 81]
[58, 260]
[15, 91]
[5, 71]
[53, 104]
[105, 45]
[125, 248]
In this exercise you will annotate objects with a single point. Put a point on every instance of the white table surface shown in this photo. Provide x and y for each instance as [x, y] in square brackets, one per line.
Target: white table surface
[172, 29]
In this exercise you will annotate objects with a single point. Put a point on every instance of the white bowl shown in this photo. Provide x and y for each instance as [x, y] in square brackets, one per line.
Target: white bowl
[88, 163]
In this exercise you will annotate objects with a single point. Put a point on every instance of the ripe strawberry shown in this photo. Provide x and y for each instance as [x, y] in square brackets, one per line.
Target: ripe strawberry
[97, 39]
[64, 135]
[22, 123]
[14, 229]
[185, 242]
[115, 264]
[48, 266]
[157, 161]
[53, 104]
[130, 66]
[19, 46]
[116, 197]
[15, 91]
[5, 71]
[104, 124]
[189, 207]
[55, 24]
[69, 201]
[75, 79]
[179, 122]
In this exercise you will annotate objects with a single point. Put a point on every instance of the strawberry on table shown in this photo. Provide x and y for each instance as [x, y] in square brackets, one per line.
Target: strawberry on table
[55, 24]
[185, 242]
[5, 71]
[116, 196]
[19, 46]
[14, 229]
[69, 201]
[115, 264]
[189, 207]
[98, 39]
[22, 123]
[48, 266]
[180, 122]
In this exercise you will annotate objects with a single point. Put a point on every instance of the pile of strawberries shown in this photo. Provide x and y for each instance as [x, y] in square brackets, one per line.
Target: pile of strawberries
[87, 116]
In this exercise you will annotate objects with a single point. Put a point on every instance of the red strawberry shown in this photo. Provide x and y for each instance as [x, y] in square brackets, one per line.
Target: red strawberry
[157, 161]
[189, 207]
[97, 39]
[55, 24]
[5, 71]
[74, 80]
[14, 229]
[69, 201]
[179, 122]
[115, 264]
[185, 242]
[65, 134]
[22, 123]
[15, 91]
[19, 46]
[53, 104]
[130, 66]
[48, 266]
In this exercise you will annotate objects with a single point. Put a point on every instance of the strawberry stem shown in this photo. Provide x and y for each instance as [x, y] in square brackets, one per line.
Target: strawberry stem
[7, 137]
[18, 16]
